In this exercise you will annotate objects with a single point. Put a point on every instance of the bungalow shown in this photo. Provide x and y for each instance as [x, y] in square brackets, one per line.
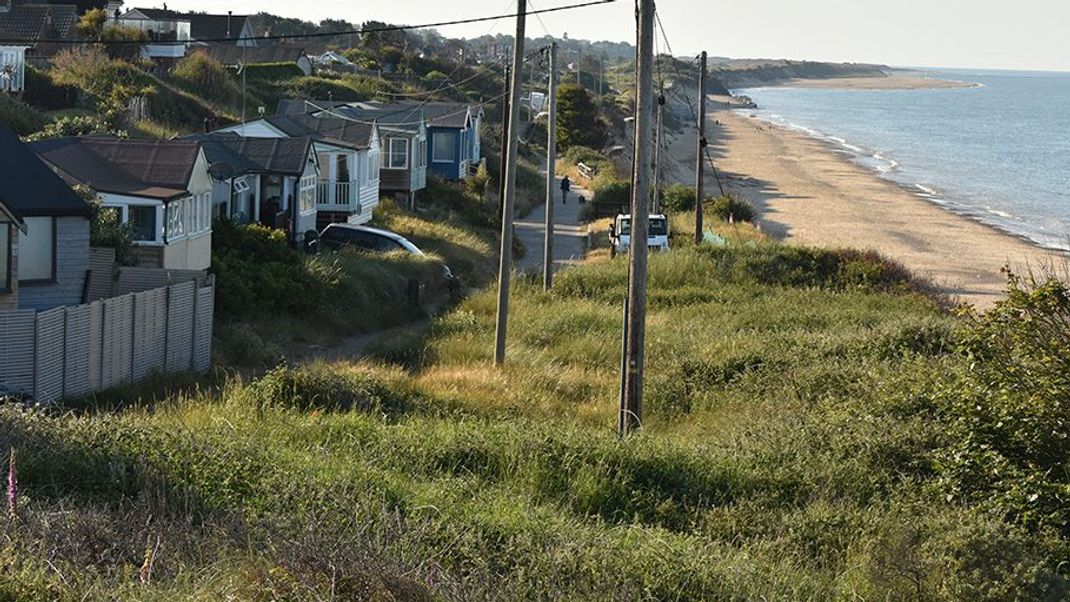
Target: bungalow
[403, 140]
[160, 187]
[49, 25]
[171, 32]
[348, 155]
[44, 232]
[453, 135]
[269, 181]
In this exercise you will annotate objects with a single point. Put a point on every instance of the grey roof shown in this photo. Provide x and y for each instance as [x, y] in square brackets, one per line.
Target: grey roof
[28, 187]
[41, 22]
[396, 117]
[301, 106]
[286, 156]
[339, 132]
[232, 54]
[158, 169]
[438, 114]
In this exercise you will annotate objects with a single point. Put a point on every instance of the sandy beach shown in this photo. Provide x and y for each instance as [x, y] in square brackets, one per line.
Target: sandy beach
[809, 193]
[895, 81]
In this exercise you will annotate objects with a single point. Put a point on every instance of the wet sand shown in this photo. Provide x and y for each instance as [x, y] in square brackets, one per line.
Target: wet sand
[895, 81]
[809, 193]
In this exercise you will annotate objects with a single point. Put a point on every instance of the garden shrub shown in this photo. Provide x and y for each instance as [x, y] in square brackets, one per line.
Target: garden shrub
[325, 388]
[74, 125]
[678, 197]
[206, 77]
[21, 118]
[729, 206]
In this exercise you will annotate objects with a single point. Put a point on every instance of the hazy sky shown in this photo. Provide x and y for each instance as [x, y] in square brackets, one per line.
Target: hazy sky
[1005, 34]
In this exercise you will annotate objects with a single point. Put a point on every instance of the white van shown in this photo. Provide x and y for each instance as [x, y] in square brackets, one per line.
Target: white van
[657, 235]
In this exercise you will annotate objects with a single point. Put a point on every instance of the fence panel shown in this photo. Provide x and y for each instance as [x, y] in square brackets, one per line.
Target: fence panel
[202, 333]
[17, 349]
[48, 355]
[150, 332]
[77, 357]
[180, 326]
[96, 344]
[117, 341]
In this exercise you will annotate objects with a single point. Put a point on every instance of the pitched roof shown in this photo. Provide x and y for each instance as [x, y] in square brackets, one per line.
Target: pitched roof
[437, 114]
[394, 117]
[38, 22]
[28, 187]
[285, 156]
[232, 54]
[339, 132]
[158, 169]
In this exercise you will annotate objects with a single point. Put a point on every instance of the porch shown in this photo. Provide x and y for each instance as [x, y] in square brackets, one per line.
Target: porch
[339, 196]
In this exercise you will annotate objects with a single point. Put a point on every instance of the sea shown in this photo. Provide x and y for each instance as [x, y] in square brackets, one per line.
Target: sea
[997, 151]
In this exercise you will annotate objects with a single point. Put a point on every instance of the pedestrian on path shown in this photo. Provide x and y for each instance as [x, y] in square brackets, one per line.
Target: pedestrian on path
[566, 185]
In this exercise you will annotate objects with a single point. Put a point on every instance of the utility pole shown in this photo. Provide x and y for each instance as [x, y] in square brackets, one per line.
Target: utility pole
[699, 165]
[601, 74]
[658, 148]
[509, 177]
[551, 172]
[505, 142]
[631, 411]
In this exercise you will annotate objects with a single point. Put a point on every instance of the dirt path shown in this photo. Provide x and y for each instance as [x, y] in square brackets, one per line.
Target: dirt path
[570, 236]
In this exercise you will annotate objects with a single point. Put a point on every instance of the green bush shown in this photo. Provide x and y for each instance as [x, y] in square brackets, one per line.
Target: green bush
[22, 119]
[729, 206]
[206, 77]
[1008, 415]
[678, 197]
[272, 71]
[258, 272]
[43, 93]
[325, 388]
[74, 125]
[322, 88]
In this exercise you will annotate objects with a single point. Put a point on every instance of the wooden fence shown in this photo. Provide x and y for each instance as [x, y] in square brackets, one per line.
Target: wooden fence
[72, 351]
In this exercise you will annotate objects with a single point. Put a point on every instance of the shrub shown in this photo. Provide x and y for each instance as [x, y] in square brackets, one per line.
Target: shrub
[206, 77]
[322, 88]
[578, 121]
[729, 206]
[258, 272]
[435, 75]
[678, 197]
[272, 71]
[43, 93]
[1008, 416]
[74, 125]
[325, 388]
[22, 119]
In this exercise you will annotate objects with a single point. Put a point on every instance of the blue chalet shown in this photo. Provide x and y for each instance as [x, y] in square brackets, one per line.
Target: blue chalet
[453, 149]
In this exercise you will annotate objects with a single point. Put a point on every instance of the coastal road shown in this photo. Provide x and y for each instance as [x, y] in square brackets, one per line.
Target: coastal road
[570, 237]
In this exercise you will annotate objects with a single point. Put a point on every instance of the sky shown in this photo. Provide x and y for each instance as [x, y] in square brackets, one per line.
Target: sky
[988, 34]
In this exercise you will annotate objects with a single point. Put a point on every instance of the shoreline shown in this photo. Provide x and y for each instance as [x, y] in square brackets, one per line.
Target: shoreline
[898, 80]
[808, 191]
[937, 198]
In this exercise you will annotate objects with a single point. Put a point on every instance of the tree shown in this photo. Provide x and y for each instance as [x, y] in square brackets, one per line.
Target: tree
[118, 42]
[578, 121]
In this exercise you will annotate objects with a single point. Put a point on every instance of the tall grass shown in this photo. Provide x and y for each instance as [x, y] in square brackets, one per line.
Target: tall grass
[790, 451]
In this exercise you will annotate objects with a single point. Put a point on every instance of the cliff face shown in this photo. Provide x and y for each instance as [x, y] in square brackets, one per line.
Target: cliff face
[749, 73]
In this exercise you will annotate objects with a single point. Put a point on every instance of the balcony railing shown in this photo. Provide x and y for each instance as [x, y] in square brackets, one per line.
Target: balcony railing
[332, 195]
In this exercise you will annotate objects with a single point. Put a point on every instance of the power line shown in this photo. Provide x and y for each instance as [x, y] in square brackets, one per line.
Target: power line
[690, 104]
[384, 29]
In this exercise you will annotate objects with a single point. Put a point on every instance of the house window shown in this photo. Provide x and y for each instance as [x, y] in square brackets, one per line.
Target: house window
[176, 219]
[142, 220]
[397, 156]
[443, 148]
[342, 167]
[308, 194]
[37, 250]
[5, 258]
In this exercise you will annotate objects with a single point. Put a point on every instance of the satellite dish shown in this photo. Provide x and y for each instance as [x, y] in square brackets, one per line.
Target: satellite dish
[221, 170]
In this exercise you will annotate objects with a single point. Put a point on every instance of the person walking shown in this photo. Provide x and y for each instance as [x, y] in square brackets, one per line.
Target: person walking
[566, 185]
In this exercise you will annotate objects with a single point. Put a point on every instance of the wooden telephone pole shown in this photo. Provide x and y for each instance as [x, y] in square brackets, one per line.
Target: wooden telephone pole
[551, 173]
[699, 164]
[631, 411]
[505, 143]
[659, 150]
[509, 178]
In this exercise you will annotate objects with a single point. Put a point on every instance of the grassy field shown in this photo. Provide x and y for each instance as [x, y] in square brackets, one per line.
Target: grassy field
[810, 434]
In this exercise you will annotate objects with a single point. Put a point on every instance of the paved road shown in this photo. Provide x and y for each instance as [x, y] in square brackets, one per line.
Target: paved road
[570, 237]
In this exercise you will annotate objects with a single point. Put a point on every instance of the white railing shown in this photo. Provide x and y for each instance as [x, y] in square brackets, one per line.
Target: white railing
[332, 195]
